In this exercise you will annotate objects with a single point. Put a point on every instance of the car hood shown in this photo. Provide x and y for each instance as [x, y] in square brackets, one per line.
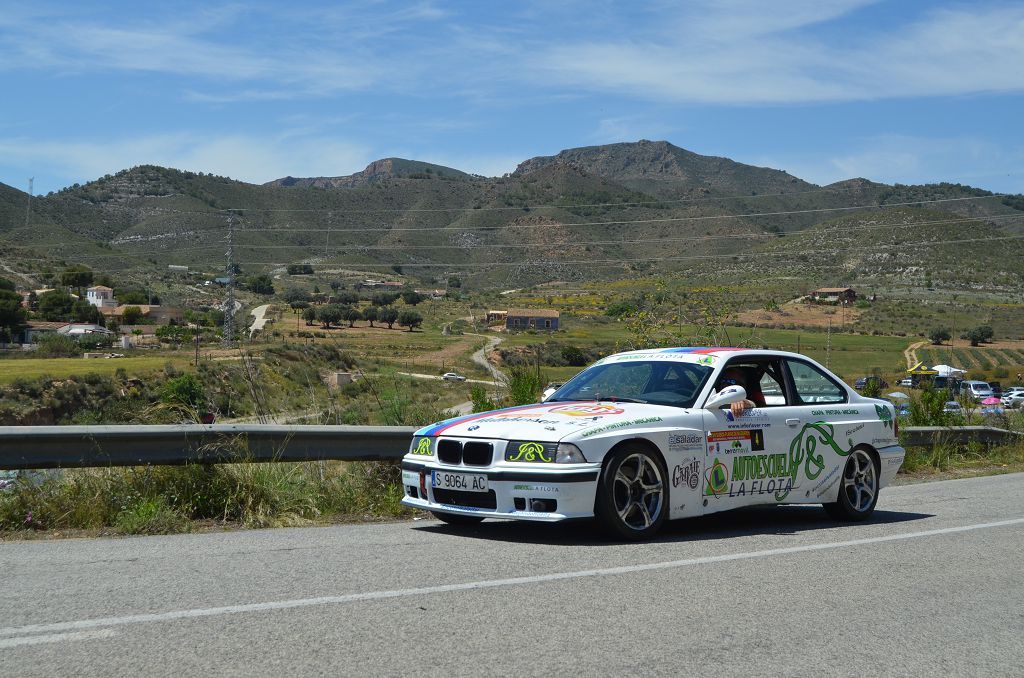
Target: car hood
[551, 422]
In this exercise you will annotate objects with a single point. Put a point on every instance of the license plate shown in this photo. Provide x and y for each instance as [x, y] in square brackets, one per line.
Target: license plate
[467, 482]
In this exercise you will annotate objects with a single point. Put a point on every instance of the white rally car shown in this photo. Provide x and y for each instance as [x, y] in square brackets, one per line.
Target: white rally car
[645, 436]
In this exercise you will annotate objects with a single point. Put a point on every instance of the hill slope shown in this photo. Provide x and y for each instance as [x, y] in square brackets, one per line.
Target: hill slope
[601, 212]
[376, 172]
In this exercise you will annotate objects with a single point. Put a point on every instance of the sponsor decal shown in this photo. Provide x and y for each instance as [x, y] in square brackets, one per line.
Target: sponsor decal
[536, 488]
[685, 442]
[822, 488]
[648, 356]
[884, 415]
[882, 441]
[758, 466]
[688, 474]
[706, 360]
[423, 448]
[752, 487]
[620, 424]
[834, 413]
[735, 442]
[716, 479]
[896, 461]
[584, 410]
[528, 451]
[515, 418]
[752, 418]
[851, 431]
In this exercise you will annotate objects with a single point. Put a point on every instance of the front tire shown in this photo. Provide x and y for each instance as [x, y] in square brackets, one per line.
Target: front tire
[858, 490]
[632, 495]
[457, 518]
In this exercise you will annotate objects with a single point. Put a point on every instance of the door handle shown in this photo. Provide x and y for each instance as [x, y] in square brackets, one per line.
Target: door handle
[792, 422]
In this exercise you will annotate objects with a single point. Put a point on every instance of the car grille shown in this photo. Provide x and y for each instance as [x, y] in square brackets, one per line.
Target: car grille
[486, 500]
[472, 453]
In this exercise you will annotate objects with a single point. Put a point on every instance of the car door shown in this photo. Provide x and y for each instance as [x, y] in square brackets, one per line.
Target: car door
[746, 459]
[820, 428]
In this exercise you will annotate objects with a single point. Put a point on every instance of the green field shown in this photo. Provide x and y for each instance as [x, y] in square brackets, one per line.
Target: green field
[12, 369]
[849, 355]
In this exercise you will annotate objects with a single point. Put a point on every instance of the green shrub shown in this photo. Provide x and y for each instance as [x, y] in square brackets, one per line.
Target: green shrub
[184, 391]
[58, 346]
[151, 515]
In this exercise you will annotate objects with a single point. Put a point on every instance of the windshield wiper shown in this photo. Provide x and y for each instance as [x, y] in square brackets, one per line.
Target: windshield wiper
[621, 399]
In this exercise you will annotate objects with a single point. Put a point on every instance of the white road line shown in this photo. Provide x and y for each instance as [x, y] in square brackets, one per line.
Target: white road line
[172, 615]
[6, 643]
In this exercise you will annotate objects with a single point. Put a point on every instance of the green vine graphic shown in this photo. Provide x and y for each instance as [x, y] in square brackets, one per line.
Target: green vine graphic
[884, 415]
[803, 451]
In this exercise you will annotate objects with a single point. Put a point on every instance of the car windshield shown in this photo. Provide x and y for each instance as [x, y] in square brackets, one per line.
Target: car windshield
[659, 382]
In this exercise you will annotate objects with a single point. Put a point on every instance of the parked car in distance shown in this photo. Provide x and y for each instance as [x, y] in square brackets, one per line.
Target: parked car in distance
[977, 390]
[864, 381]
[997, 388]
[908, 382]
[951, 384]
[952, 406]
[1013, 397]
[453, 376]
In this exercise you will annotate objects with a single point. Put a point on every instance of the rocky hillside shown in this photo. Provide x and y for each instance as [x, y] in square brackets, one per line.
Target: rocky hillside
[664, 170]
[376, 172]
[600, 212]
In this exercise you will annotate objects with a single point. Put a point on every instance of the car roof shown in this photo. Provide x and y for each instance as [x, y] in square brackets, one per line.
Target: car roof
[719, 351]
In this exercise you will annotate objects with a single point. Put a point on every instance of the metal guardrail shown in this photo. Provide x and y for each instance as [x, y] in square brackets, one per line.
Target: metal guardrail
[40, 447]
[926, 436]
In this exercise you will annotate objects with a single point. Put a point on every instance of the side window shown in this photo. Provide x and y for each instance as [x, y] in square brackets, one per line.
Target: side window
[761, 378]
[813, 386]
[771, 387]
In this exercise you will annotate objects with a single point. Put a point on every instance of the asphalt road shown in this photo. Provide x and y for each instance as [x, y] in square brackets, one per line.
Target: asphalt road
[933, 586]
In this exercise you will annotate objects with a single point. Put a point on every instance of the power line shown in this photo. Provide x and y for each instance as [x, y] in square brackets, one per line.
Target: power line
[591, 262]
[571, 205]
[622, 222]
[632, 241]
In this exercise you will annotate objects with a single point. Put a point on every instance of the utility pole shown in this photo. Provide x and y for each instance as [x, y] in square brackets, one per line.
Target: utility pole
[229, 311]
[828, 343]
[28, 208]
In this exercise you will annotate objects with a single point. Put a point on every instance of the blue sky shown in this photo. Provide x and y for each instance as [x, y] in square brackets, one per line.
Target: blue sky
[895, 91]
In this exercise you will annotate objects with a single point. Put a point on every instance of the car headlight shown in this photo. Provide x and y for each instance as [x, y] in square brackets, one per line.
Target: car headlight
[422, 446]
[543, 453]
[569, 454]
[531, 452]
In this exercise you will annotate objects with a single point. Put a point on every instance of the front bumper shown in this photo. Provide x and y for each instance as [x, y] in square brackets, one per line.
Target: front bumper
[544, 494]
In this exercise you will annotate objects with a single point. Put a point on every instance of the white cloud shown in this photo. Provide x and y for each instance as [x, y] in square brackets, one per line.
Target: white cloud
[912, 160]
[630, 128]
[246, 158]
[746, 57]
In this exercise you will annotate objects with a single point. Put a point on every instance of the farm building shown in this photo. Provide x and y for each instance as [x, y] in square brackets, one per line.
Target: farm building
[532, 319]
[834, 295]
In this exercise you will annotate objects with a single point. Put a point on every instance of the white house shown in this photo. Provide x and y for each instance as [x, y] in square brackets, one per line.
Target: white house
[101, 297]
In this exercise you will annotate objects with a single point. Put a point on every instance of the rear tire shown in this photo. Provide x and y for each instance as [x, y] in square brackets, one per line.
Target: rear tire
[632, 495]
[457, 518]
[858, 488]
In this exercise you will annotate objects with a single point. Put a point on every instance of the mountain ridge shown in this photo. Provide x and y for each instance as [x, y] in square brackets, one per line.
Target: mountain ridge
[624, 207]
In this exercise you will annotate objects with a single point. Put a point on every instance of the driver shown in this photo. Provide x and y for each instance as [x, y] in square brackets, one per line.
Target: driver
[740, 376]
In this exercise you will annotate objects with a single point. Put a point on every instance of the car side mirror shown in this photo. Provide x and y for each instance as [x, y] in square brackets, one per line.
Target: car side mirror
[727, 396]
